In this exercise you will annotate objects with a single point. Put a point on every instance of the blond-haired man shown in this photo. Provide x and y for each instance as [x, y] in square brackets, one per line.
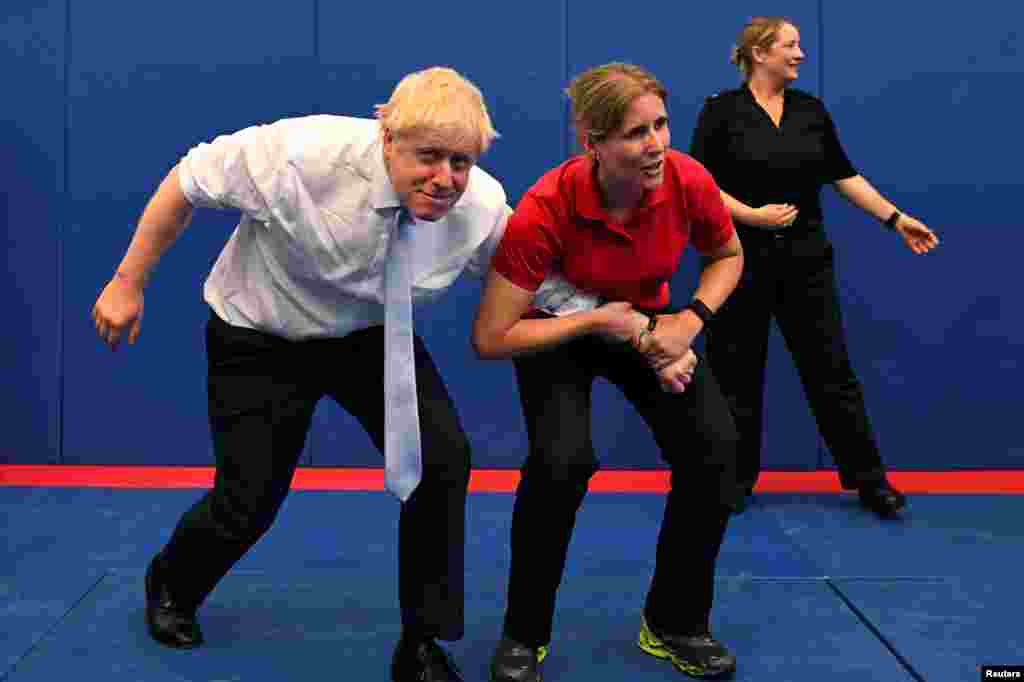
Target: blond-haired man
[299, 298]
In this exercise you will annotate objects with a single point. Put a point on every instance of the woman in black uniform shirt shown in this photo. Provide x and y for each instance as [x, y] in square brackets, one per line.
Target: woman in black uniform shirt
[771, 148]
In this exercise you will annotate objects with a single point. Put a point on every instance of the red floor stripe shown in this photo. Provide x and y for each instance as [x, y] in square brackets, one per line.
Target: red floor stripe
[496, 480]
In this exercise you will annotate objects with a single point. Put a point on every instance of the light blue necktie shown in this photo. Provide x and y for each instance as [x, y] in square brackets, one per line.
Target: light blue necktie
[403, 464]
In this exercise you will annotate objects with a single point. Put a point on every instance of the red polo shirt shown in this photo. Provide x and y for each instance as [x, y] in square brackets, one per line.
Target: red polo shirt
[560, 223]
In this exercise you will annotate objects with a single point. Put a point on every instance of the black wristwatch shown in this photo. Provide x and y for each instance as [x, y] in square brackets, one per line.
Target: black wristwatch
[892, 220]
[701, 310]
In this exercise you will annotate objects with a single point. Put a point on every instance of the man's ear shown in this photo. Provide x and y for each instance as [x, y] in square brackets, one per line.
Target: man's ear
[387, 138]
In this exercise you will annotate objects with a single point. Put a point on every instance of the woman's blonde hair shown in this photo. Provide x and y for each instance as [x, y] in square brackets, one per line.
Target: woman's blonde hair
[601, 96]
[758, 32]
[438, 98]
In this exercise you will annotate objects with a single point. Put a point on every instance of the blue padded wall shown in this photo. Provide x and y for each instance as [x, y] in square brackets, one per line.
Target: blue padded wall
[175, 75]
[32, 126]
[111, 97]
[930, 119]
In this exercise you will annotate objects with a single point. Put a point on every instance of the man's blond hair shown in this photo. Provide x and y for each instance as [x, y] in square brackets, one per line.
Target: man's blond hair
[438, 99]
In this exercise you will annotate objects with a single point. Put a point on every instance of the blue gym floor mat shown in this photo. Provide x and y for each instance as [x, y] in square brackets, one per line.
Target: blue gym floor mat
[945, 628]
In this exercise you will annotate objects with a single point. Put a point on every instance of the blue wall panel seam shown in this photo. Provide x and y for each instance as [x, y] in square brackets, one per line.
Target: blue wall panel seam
[311, 438]
[316, 54]
[566, 127]
[819, 441]
[821, 48]
[61, 228]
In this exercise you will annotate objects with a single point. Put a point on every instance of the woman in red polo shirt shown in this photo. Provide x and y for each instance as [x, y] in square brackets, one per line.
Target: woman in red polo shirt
[614, 223]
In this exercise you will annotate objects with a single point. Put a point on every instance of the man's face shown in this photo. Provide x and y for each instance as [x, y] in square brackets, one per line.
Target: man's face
[429, 170]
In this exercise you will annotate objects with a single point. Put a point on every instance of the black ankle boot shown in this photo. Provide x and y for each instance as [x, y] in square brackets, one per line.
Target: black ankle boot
[423, 660]
[170, 622]
[882, 499]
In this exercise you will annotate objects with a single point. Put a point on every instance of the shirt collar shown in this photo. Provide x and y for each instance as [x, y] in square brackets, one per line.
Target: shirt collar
[382, 192]
[588, 194]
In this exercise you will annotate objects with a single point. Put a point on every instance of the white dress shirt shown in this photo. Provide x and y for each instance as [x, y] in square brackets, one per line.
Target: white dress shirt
[318, 211]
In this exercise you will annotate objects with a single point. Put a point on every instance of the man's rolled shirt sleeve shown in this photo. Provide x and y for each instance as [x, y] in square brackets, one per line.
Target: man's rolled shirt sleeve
[242, 171]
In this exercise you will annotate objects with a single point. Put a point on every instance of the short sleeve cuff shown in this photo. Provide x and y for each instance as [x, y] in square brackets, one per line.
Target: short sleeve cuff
[845, 174]
[515, 275]
[719, 239]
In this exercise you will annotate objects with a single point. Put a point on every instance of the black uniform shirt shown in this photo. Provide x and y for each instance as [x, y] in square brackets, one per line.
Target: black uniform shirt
[760, 163]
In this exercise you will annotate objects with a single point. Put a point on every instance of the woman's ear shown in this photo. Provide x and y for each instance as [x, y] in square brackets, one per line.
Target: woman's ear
[583, 138]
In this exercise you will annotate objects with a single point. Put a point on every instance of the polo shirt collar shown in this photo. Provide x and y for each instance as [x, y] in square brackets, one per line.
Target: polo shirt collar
[748, 94]
[588, 194]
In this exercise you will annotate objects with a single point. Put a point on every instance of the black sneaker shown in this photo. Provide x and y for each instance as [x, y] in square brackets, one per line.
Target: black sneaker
[515, 662]
[698, 655]
[423, 661]
[882, 499]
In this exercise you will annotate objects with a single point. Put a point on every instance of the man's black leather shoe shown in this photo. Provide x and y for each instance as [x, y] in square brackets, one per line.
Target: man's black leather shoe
[423, 661]
[169, 622]
[515, 662]
[882, 499]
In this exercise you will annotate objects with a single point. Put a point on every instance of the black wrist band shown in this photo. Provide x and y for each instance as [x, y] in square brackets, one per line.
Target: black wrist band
[891, 222]
[652, 323]
[700, 310]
